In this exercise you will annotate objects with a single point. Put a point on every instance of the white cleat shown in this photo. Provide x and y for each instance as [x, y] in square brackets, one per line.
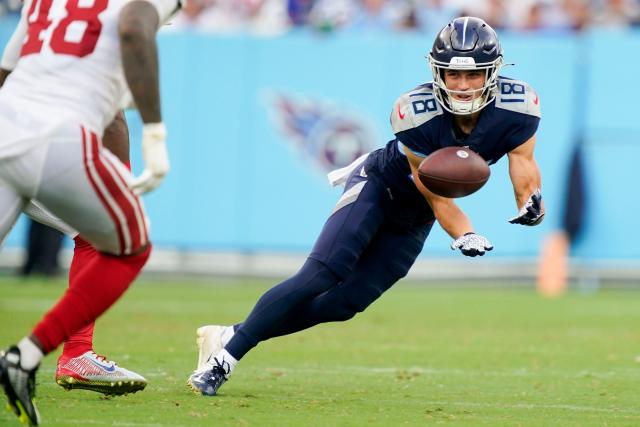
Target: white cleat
[95, 373]
[209, 341]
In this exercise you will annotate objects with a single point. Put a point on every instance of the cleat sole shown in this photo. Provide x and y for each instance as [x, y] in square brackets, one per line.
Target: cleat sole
[23, 417]
[107, 388]
[193, 388]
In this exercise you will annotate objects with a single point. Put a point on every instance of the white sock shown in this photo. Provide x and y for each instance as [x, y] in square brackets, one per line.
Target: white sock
[227, 361]
[227, 334]
[30, 354]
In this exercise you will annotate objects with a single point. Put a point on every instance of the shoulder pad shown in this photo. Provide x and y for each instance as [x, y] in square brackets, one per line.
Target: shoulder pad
[518, 96]
[414, 108]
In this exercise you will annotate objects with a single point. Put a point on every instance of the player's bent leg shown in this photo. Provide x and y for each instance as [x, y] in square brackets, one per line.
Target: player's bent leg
[387, 259]
[355, 221]
[104, 210]
[16, 378]
[103, 376]
[278, 303]
[270, 310]
[71, 372]
[90, 371]
[348, 232]
[98, 288]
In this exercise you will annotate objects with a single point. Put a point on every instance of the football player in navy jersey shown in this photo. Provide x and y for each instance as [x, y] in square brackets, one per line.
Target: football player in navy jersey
[380, 224]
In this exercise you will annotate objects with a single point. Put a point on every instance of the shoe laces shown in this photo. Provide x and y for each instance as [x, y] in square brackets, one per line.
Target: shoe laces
[222, 366]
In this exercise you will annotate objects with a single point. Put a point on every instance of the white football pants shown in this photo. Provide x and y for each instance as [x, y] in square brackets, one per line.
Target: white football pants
[73, 177]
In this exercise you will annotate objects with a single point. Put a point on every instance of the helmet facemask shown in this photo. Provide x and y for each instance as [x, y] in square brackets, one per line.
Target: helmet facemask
[446, 96]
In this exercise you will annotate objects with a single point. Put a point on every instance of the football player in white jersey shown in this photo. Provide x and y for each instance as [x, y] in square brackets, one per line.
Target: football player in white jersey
[78, 65]
[79, 366]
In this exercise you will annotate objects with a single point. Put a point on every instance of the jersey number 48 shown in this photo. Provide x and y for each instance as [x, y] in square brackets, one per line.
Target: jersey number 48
[38, 21]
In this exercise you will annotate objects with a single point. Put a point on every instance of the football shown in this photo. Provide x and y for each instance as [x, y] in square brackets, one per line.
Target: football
[453, 172]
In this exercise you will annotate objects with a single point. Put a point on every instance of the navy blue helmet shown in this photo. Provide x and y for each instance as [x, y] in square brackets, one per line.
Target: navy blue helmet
[466, 43]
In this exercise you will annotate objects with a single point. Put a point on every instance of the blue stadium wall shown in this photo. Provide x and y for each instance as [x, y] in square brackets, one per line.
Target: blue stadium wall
[245, 171]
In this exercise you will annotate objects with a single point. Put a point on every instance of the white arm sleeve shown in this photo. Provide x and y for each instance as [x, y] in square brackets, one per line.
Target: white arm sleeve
[12, 49]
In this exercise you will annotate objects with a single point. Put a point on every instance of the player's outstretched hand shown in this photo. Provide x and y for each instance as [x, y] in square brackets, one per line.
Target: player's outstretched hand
[156, 159]
[531, 213]
[472, 244]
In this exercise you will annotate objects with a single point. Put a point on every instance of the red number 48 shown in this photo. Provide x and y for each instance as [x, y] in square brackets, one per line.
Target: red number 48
[39, 21]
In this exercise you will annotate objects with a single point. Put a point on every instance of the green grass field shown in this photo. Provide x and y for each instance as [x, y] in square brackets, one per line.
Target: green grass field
[420, 356]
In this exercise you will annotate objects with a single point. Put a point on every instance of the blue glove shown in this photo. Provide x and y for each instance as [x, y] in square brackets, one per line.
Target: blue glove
[472, 244]
[531, 213]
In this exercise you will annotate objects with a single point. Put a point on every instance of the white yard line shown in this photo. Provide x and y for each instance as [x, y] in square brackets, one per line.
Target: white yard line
[519, 372]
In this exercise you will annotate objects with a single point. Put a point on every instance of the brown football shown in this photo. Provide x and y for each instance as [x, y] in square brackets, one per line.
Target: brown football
[454, 172]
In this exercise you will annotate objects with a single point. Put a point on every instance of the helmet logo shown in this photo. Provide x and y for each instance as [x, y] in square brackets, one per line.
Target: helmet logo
[462, 154]
[462, 60]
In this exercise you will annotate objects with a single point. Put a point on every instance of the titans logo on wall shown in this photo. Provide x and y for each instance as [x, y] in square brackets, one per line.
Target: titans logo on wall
[325, 133]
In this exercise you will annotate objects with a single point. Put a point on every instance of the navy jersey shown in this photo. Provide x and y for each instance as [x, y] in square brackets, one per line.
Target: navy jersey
[422, 126]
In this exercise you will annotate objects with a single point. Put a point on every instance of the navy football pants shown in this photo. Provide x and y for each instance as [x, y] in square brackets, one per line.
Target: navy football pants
[361, 252]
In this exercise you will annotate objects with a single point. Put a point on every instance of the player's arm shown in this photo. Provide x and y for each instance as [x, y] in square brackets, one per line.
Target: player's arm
[137, 27]
[525, 177]
[450, 217]
[11, 52]
[116, 138]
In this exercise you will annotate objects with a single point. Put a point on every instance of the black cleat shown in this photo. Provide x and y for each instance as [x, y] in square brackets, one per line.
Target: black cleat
[207, 381]
[19, 386]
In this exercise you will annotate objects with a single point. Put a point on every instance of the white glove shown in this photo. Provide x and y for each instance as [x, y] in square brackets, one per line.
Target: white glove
[531, 213]
[472, 244]
[156, 159]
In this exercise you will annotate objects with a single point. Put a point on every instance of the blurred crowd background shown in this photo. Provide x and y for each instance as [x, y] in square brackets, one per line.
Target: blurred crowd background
[305, 86]
[275, 17]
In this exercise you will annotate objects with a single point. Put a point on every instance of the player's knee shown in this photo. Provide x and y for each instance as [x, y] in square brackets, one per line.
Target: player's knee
[109, 244]
[347, 306]
[141, 249]
[344, 310]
